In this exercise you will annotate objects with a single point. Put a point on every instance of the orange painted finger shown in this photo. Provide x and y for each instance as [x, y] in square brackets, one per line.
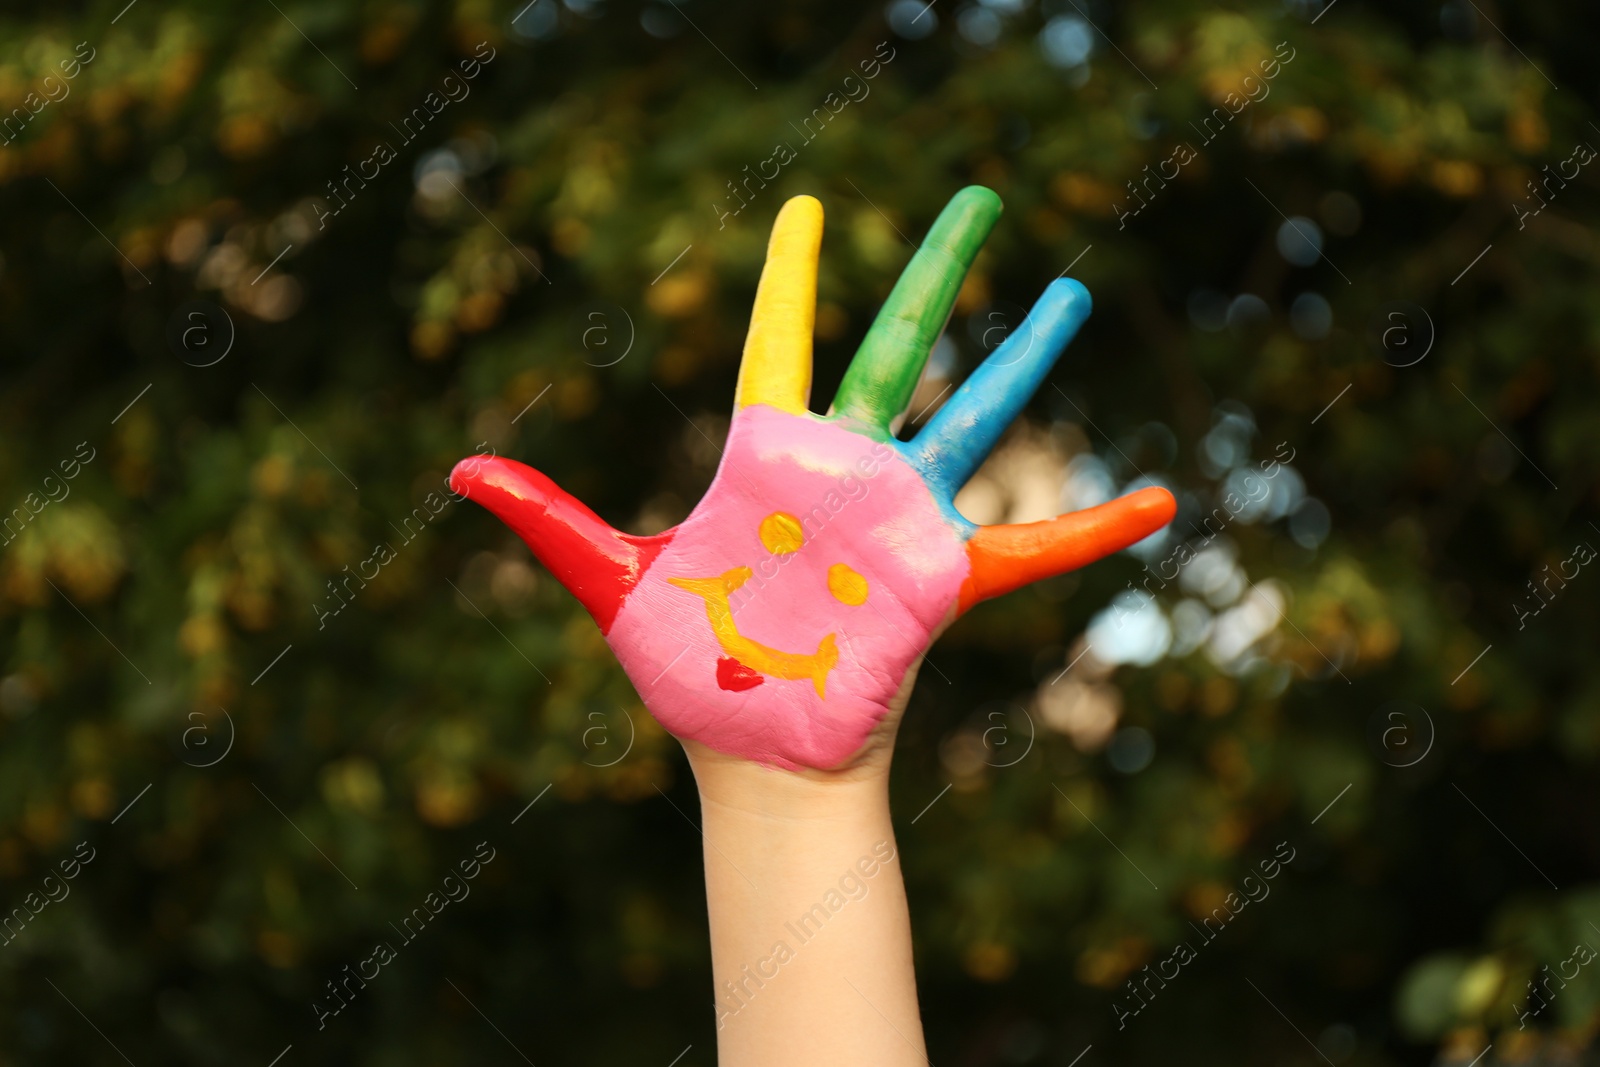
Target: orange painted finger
[1004, 558]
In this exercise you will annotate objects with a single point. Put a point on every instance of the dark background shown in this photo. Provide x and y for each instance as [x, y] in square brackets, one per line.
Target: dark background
[544, 270]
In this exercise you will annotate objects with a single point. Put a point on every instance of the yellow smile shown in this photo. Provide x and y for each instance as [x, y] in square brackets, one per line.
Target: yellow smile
[753, 654]
[781, 533]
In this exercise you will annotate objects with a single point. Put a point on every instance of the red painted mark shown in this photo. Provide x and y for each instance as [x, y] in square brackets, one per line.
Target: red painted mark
[731, 674]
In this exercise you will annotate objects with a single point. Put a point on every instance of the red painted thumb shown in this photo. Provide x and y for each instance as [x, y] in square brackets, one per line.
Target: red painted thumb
[598, 564]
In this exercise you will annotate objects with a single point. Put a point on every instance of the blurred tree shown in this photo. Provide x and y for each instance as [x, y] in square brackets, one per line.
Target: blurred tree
[267, 273]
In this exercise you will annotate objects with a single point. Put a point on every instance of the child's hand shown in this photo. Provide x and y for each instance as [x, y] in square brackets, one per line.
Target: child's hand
[782, 620]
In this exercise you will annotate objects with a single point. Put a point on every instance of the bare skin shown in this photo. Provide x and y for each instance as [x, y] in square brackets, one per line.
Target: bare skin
[781, 847]
[810, 931]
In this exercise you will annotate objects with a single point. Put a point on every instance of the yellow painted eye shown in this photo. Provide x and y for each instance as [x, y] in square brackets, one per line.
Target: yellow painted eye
[781, 533]
[846, 585]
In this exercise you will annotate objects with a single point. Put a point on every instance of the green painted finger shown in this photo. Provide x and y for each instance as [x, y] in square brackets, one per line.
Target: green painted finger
[881, 378]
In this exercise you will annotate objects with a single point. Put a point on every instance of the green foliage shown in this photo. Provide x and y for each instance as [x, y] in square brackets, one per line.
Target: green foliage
[558, 267]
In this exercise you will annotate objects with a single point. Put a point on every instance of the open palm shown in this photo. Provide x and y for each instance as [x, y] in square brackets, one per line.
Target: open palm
[780, 620]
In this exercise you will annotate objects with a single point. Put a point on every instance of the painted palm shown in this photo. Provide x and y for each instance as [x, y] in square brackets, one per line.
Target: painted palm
[780, 620]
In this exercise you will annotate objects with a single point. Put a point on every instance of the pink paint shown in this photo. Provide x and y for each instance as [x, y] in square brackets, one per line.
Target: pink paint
[859, 504]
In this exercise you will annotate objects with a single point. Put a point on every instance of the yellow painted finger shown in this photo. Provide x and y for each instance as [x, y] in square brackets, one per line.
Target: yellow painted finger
[777, 351]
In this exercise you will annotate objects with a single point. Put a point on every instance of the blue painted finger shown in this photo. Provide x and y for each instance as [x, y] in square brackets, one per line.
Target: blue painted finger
[961, 434]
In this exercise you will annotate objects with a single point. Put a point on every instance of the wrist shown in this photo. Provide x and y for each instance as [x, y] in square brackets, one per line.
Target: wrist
[739, 788]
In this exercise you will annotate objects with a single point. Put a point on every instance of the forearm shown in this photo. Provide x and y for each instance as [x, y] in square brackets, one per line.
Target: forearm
[810, 936]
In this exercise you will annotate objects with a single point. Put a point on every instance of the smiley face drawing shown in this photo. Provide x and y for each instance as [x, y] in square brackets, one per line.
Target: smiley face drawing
[779, 621]
[747, 660]
[785, 611]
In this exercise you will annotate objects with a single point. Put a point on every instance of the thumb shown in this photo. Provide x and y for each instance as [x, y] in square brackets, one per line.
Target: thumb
[598, 564]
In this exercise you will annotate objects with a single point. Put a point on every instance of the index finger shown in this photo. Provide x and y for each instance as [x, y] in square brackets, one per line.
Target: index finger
[776, 368]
